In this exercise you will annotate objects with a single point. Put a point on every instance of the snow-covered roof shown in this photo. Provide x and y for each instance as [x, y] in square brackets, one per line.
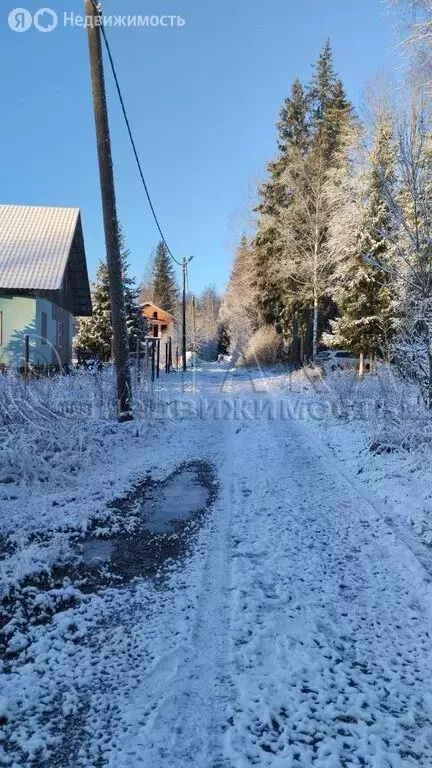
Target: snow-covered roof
[36, 244]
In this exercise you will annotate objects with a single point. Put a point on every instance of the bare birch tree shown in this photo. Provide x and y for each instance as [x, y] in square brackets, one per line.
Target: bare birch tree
[416, 17]
[307, 264]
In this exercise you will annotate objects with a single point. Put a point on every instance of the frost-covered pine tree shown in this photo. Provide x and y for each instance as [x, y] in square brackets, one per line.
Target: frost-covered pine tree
[409, 262]
[164, 284]
[305, 265]
[291, 271]
[239, 307]
[223, 339]
[135, 322]
[94, 335]
[331, 134]
[364, 294]
[269, 242]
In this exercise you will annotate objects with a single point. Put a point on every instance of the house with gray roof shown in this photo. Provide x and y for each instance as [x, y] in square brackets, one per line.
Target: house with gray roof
[44, 283]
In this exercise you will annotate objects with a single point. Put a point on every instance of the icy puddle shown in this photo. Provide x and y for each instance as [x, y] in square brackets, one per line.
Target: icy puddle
[97, 551]
[180, 499]
[165, 516]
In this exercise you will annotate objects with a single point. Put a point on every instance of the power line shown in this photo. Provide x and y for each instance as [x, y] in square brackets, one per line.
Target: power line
[132, 141]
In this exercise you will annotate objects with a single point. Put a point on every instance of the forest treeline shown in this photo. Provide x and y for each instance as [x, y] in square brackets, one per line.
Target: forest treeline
[341, 252]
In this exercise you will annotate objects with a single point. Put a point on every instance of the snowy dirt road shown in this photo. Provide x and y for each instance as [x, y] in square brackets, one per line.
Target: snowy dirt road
[297, 634]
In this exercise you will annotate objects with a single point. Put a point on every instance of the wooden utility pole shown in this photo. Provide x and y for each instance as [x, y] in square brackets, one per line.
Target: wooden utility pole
[184, 314]
[184, 264]
[116, 289]
[194, 328]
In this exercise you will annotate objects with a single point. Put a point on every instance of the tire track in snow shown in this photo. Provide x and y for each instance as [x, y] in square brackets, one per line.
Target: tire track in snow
[186, 725]
[335, 669]
[290, 639]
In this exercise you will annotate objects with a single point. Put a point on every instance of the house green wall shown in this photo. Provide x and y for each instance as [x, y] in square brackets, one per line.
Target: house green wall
[55, 314]
[21, 316]
[18, 319]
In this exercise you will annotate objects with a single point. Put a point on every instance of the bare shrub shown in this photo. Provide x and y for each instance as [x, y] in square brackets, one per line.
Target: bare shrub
[264, 348]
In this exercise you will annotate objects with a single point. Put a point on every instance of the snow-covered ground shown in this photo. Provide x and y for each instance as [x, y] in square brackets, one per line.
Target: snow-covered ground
[294, 631]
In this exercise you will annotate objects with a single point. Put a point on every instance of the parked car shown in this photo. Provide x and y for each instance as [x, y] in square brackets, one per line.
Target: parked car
[333, 359]
[323, 355]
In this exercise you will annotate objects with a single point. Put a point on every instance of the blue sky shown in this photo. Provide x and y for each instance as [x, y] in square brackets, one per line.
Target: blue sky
[203, 100]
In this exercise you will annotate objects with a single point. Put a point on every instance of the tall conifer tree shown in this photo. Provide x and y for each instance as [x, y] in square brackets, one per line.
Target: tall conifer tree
[366, 322]
[95, 333]
[292, 269]
[165, 288]
[269, 241]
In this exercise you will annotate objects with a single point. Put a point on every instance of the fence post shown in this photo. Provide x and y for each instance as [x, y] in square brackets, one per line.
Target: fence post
[138, 360]
[166, 357]
[26, 357]
[177, 359]
[153, 361]
[170, 354]
[158, 357]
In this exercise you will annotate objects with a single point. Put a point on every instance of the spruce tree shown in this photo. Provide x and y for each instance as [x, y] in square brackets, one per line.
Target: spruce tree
[269, 241]
[292, 270]
[165, 288]
[223, 339]
[305, 264]
[136, 323]
[293, 126]
[331, 125]
[239, 309]
[330, 109]
[322, 87]
[95, 333]
[366, 323]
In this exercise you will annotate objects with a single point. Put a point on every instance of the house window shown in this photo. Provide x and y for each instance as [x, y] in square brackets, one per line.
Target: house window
[60, 335]
[44, 327]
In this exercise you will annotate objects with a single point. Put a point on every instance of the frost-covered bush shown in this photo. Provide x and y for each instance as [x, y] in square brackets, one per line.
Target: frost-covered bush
[53, 427]
[44, 399]
[82, 395]
[264, 348]
[390, 407]
[412, 350]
